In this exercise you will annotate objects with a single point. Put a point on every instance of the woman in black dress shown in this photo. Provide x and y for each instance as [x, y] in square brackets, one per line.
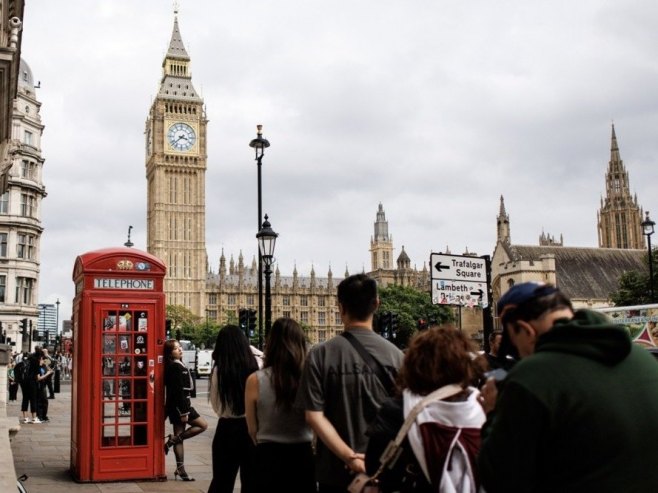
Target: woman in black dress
[179, 384]
[232, 447]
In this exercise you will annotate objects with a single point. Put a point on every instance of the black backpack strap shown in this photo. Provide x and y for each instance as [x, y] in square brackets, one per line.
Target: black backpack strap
[375, 366]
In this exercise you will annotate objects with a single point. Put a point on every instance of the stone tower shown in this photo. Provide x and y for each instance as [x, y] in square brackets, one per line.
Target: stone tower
[620, 215]
[381, 244]
[176, 160]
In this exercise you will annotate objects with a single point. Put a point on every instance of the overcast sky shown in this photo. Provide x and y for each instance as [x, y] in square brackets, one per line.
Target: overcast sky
[433, 108]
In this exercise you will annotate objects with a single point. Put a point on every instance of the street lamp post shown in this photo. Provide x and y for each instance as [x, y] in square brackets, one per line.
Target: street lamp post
[129, 243]
[259, 144]
[57, 332]
[648, 230]
[266, 242]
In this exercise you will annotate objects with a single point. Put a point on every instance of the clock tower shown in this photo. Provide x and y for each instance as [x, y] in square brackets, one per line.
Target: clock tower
[175, 172]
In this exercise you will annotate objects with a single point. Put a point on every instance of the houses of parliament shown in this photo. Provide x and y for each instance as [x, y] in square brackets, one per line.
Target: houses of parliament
[176, 163]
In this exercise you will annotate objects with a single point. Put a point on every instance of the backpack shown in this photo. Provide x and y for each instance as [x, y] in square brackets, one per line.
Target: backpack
[22, 371]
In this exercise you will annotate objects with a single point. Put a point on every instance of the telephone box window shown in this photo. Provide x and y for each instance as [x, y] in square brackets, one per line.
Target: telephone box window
[125, 384]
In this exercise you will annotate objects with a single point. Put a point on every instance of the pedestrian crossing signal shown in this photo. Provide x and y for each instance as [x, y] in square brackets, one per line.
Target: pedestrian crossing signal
[251, 322]
[243, 317]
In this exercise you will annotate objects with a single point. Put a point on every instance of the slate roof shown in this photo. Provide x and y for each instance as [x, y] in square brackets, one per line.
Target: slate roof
[586, 273]
[252, 280]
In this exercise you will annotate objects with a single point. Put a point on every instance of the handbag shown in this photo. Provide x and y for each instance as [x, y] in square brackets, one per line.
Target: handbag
[362, 483]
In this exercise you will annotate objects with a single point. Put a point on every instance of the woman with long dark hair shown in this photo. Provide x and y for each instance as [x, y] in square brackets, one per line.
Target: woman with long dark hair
[284, 456]
[179, 385]
[232, 448]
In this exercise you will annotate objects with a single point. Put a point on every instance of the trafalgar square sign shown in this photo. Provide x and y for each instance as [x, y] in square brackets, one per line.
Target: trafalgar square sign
[459, 280]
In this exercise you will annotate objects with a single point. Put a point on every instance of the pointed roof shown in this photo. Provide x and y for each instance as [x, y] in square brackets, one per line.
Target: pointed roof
[502, 213]
[176, 47]
[403, 257]
[176, 80]
[614, 147]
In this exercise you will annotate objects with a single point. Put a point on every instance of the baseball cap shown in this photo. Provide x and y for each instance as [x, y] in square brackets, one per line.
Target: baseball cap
[521, 293]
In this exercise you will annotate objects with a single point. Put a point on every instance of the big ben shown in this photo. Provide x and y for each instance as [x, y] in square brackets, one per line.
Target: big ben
[175, 172]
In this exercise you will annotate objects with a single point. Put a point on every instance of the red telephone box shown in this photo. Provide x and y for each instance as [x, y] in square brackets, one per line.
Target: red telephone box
[117, 418]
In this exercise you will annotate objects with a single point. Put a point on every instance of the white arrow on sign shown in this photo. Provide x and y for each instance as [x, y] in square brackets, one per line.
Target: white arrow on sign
[464, 293]
[458, 267]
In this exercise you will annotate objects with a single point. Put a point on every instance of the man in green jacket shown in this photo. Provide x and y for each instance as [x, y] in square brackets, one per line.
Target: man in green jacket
[579, 412]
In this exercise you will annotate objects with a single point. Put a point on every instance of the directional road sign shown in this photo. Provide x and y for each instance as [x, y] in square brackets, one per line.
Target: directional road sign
[459, 280]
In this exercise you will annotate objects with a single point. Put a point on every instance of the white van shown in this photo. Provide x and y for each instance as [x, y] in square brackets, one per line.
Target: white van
[203, 362]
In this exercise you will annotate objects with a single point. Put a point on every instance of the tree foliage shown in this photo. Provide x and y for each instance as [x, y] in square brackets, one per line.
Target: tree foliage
[411, 305]
[181, 317]
[634, 287]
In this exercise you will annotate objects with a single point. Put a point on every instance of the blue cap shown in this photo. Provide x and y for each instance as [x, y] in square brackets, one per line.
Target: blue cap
[520, 293]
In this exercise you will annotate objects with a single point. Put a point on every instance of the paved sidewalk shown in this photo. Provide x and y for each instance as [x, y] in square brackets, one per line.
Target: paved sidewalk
[42, 451]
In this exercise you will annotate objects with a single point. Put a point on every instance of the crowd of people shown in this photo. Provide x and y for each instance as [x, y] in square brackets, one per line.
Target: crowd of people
[34, 374]
[562, 401]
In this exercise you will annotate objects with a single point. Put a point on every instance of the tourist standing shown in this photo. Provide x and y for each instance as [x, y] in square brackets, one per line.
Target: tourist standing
[232, 447]
[11, 380]
[26, 373]
[44, 373]
[438, 358]
[179, 384]
[284, 455]
[578, 411]
[344, 382]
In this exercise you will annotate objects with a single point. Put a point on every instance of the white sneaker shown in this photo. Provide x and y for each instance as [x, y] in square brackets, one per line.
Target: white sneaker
[26, 420]
[37, 421]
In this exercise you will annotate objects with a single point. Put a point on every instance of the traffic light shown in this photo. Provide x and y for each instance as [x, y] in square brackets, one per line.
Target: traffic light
[24, 328]
[168, 329]
[385, 325]
[243, 316]
[35, 335]
[394, 322]
[251, 322]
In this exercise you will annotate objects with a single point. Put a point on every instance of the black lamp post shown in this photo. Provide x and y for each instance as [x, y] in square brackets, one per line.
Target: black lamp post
[266, 242]
[259, 144]
[57, 331]
[129, 243]
[648, 230]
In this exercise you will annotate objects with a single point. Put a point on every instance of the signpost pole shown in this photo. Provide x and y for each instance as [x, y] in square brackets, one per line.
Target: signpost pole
[487, 318]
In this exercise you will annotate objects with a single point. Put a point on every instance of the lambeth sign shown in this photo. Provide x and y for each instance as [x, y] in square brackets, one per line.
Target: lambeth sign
[459, 280]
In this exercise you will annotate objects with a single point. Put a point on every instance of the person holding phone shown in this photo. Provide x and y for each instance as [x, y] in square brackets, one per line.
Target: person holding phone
[578, 411]
[44, 373]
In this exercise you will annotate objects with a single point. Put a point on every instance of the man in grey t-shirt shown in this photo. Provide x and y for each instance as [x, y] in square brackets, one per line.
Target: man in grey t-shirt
[339, 391]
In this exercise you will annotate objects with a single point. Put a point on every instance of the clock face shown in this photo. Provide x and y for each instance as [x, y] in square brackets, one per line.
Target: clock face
[181, 136]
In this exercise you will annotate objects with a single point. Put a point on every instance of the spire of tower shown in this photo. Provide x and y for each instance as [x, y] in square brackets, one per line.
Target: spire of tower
[176, 80]
[176, 46]
[381, 225]
[614, 147]
[502, 212]
[503, 227]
